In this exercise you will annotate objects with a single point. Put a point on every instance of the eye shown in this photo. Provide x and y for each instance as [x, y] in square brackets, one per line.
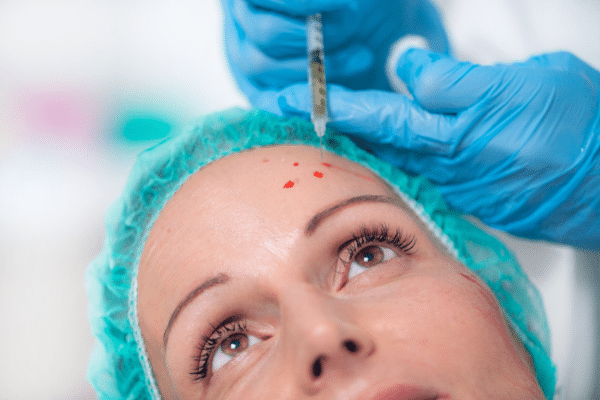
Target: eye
[368, 257]
[228, 340]
[371, 246]
[231, 347]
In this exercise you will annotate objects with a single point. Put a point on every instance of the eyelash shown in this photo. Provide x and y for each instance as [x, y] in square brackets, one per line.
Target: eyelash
[379, 234]
[236, 324]
[209, 343]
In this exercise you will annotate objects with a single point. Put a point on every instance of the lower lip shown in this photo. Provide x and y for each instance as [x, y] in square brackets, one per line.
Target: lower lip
[409, 393]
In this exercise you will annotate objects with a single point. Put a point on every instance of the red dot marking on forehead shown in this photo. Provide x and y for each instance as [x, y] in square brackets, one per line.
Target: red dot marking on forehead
[295, 164]
[288, 185]
[318, 174]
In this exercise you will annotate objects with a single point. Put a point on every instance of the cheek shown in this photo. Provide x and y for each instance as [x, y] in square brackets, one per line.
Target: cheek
[453, 324]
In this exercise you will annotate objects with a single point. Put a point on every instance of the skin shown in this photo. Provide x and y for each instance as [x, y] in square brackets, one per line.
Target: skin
[420, 319]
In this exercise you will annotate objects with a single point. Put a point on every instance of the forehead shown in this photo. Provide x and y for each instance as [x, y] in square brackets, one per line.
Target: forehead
[273, 186]
[258, 199]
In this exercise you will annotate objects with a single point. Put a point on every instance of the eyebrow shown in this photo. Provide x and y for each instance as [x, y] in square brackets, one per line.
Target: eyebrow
[220, 279]
[318, 219]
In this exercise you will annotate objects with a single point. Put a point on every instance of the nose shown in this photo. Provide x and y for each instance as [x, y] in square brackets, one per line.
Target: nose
[326, 344]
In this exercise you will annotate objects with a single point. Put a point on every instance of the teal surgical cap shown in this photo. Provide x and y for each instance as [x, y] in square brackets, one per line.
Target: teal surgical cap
[119, 367]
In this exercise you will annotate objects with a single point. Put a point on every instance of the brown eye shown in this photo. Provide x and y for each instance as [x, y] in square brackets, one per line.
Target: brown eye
[369, 256]
[231, 347]
[235, 344]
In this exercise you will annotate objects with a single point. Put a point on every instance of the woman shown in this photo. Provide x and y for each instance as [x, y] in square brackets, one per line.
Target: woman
[239, 264]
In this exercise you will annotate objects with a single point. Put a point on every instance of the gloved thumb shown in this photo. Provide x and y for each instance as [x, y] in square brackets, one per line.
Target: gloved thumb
[442, 84]
[382, 121]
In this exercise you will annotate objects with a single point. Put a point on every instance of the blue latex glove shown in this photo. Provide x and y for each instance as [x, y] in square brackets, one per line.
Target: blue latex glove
[266, 41]
[516, 145]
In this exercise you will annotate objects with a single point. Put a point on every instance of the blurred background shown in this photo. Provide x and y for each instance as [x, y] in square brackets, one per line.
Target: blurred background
[85, 85]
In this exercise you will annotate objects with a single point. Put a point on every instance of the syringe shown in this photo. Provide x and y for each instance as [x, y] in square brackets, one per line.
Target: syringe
[316, 75]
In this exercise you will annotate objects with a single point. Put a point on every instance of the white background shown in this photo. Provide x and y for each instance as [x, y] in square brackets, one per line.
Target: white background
[71, 71]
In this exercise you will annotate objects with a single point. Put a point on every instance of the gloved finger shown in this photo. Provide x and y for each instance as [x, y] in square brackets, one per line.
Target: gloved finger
[255, 94]
[387, 120]
[265, 99]
[443, 84]
[259, 94]
[277, 35]
[304, 7]
[282, 36]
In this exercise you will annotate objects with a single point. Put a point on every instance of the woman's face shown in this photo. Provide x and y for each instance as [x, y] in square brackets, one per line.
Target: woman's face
[273, 275]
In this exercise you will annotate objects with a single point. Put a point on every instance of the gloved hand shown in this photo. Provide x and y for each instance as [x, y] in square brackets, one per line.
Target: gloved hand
[266, 41]
[516, 145]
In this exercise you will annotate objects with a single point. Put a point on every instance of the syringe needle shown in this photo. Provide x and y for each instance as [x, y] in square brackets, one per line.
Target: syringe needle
[321, 146]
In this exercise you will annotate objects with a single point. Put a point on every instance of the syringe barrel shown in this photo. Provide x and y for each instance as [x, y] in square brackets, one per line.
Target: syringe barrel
[316, 66]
